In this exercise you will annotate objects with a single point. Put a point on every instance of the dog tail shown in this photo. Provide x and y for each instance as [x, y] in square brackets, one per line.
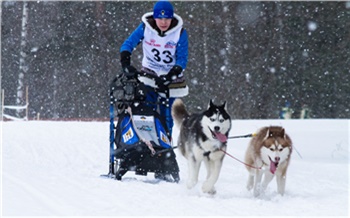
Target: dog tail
[179, 112]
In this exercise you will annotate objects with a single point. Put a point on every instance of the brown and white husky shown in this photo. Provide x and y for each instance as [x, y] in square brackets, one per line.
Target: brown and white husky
[270, 149]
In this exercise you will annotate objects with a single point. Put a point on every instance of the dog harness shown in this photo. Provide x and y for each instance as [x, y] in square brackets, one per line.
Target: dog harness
[207, 153]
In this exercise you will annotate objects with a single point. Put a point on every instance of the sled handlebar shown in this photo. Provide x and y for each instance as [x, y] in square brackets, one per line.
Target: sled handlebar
[130, 76]
[131, 88]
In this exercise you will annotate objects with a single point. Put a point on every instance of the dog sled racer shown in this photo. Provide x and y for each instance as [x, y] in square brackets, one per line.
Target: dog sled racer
[165, 54]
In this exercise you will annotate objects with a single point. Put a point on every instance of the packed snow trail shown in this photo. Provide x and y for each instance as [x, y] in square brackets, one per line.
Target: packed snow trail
[53, 169]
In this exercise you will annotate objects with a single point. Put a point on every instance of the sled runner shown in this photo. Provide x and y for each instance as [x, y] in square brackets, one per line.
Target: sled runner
[140, 141]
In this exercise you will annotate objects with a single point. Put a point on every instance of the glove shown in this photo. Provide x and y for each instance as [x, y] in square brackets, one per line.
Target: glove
[171, 76]
[125, 59]
[130, 72]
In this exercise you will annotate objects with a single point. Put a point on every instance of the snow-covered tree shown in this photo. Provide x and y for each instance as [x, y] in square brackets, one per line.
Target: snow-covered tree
[23, 67]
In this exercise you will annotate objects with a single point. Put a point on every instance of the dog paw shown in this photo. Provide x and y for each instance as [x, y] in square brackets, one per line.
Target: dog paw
[191, 184]
[250, 183]
[257, 191]
[281, 193]
[249, 187]
[261, 194]
[211, 191]
[256, 194]
[208, 189]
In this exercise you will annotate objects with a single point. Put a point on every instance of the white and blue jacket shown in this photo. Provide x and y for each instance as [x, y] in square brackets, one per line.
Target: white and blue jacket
[161, 50]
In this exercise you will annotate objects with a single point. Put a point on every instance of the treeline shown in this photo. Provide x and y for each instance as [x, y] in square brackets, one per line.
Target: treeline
[257, 56]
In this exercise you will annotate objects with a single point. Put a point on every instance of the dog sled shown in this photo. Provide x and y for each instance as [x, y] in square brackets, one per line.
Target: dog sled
[140, 140]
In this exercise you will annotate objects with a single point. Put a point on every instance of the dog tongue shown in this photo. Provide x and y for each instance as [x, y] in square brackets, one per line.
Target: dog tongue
[272, 167]
[221, 137]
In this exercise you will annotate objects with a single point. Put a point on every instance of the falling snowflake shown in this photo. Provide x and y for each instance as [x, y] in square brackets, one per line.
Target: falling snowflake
[312, 26]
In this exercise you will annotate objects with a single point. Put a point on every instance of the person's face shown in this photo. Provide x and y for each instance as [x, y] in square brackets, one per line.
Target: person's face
[163, 23]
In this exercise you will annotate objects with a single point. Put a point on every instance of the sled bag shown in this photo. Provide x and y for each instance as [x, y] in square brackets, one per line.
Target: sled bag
[149, 128]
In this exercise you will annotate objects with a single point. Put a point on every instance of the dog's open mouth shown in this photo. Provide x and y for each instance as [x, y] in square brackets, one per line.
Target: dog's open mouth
[273, 165]
[219, 136]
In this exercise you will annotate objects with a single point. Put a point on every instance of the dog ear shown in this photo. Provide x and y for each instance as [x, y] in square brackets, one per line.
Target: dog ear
[283, 133]
[267, 134]
[211, 104]
[224, 105]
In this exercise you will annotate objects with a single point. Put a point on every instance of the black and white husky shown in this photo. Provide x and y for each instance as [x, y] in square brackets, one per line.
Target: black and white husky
[201, 138]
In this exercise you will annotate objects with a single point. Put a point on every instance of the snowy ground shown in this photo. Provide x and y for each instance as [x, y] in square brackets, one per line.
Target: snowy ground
[52, 169]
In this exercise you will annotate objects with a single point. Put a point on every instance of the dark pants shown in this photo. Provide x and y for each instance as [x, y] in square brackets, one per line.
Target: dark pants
[164, 111]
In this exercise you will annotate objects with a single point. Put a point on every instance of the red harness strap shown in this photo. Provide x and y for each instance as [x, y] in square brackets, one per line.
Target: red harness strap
[258, 168]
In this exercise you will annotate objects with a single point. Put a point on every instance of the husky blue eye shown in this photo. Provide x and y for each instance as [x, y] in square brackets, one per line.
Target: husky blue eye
[212, 119]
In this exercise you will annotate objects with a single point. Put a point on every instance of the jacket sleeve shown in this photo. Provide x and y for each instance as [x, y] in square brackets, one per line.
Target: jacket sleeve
[182, 50]
[134, 39]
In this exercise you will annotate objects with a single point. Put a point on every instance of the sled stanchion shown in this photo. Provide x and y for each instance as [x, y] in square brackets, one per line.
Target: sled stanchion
[111, 137]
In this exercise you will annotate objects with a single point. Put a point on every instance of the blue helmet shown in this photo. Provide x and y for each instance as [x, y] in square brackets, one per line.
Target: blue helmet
[163, 9]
